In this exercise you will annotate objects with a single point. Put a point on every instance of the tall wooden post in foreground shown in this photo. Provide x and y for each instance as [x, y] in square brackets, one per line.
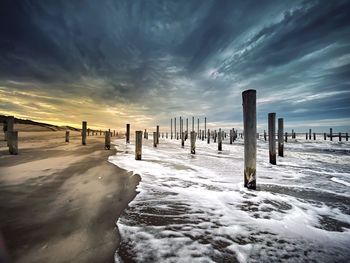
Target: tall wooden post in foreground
[249, 126]
[12, 140]
[272, 137]
[138, 145]
[193, 142]
[128, 133]
[67, 136]
[280, 137]
[107, 140]
[83, 133]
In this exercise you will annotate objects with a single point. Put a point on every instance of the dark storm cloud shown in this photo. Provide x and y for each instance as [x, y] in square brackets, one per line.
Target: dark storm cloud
[182, 57]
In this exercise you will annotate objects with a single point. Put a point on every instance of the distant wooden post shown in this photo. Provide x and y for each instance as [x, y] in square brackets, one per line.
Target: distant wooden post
[166, 135]
[193, 142]
[325, 136]
[203, 135]
[249, 124]
[314, 136]
[347, 136]
[331, 134]
[280, 137]
[220, 140]
[306, 135]
[83, 133]
[272, 137]
[158, 135]
[107, 140]
[231, 137]
[128, 133]
[309, 134]
[100, 132]
[186, 129]
[154, 139]
[265, 135]
[171, 128]
[67, 136]
[293, 134]
[208, 137]
[12, 139]
[205, 126]
[175, 134]
[88, 132]
[340, 136]
[10, 123]
[286, 137]
[138, 145]
[198, 134]
[113, 133]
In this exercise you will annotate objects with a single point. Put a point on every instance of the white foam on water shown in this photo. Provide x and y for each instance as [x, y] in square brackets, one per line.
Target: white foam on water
[194, 208]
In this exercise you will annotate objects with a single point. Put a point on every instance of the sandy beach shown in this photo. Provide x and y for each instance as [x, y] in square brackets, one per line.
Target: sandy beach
[59, 201]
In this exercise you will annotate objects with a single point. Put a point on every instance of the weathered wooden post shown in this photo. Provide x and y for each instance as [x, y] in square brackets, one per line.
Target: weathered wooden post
[176, 135]
[4, 128]
[220, 140]
[265, 135]
[331, 134]
[347, 136]
[67, 136]
[180, 127]
[208, 137]
[10, 122]
[272, 137]
[83, 133]
[231, 136]
[215, 136]
[292, 134]
[306, 135]
[88, 132]
[198, 134]
[249, 124]
[325, 136]
[128, 133]
[158, 135]
[107, 140]
[182, 135]
[309, 134]
[314, 136]
[100, 132]
[205, 125]
[166, 135]
[193, 142]
[286, 137]
[186, 129]
[340, 136]
[154, 139]
[171, 128]
[138, 145]
[12, 140]
[280, 137]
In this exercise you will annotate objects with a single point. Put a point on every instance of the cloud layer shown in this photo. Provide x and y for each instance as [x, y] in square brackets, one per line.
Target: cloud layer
[143, 62]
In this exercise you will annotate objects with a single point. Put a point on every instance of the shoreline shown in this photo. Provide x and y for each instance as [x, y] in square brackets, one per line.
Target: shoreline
[61, 201]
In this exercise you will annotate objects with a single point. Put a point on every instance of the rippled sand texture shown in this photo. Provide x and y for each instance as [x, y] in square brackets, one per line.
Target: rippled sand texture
[194, 208]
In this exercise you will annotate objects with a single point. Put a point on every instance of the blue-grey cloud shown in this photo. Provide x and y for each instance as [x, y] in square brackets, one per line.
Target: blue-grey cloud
[182, 57]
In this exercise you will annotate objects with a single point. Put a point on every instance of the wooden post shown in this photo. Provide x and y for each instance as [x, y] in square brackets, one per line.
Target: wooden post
[292, 134]
[67, 136]
[180, 127]
[208, 137]
[166, 135]
[83, 133]
[193, 142]
[347, 136]
[100, 132]
[205, 126]
[10, 122]
[280, 137]
[182, 134]
[4, 128]
[175, 134]
[272, 137]
[158, 135]
[286, 137]
[88, 132]
[331, 134]
[265, 135]
[107, 140]
[171, 128]
[340, 136]
[325, 136]
[220, 140]
[154, 139]
[203, 135]
[12, 140]
[215, 136]
[309, 134]
[314, 136]
[128, 133]
[113, 133]
[231, 136]
[192, 123]
[306, 136]
[198, 127]
[138, 145]
[186, 129]
[249, 124]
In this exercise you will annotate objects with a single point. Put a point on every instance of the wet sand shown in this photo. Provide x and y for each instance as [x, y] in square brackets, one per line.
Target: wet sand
[59, 201]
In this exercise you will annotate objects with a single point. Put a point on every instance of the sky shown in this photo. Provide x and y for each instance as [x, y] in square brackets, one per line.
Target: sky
[144, 62]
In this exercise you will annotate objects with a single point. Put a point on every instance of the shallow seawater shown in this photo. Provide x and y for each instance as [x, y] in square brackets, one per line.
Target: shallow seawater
[194, 208]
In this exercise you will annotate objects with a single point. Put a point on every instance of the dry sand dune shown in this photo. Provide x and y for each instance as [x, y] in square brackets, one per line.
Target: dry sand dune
[59, 201]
